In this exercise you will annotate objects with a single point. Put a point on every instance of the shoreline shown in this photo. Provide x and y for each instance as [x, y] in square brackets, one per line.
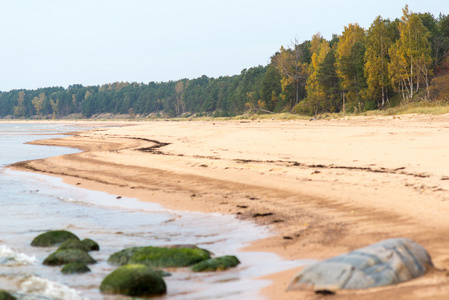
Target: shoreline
[320, 202]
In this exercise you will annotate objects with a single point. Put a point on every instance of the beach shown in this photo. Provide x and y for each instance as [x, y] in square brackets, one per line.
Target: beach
[323, 187]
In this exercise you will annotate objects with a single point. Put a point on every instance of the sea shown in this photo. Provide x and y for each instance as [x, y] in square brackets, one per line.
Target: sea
[31, 204]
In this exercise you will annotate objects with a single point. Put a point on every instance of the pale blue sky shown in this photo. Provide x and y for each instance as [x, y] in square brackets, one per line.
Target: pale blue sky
[90, 42]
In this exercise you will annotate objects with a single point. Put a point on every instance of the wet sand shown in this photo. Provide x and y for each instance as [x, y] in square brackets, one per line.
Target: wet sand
[324, 187]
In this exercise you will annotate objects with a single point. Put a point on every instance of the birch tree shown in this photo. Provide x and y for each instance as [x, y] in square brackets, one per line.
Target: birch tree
[410, 56]
[294, 71]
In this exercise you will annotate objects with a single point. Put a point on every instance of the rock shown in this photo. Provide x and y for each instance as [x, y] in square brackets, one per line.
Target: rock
[73, 244]
[66, 256]
[4, 295]
[388, 262]
[122, 257]
[133, 280]
[53, 238]
[91, 245]
[159, 257]
[216, 264]
[75, 268]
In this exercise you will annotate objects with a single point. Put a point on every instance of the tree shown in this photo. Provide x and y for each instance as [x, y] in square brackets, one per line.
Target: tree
[316, 96]
[350, 63]
[271, 87]
[330, 83]
[38, 103]
[410, 55]
[180, 105]
[19, 110]
[293, 69]
[378, 42]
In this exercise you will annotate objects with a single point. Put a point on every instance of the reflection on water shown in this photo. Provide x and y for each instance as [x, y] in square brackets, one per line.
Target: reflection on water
[33, 203]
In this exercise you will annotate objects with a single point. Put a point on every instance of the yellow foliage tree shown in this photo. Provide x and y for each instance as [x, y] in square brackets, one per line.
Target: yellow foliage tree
[38, 102]
[19, 109]
[410, 55]
[350, 62]
[378, 42]
[315, 92]
[294, 72]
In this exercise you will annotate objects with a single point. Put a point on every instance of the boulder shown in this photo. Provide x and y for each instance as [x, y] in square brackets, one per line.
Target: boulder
[73, 244]
[91, 245]
[159, 257]
[66, 256]
[216, 264]
[53, 238]
[388, 262]
[122, 257]
[135, 281]
[75, 268]
[4, 295]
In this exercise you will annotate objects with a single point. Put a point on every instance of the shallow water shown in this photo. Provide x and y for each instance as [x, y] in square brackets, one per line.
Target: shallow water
[33, 203]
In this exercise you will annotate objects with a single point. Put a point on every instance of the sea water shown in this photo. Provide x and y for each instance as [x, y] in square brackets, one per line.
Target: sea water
[32, 203]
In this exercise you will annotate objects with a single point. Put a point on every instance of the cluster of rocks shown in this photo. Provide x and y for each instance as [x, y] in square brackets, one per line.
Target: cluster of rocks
[72, 253]
[139, 272]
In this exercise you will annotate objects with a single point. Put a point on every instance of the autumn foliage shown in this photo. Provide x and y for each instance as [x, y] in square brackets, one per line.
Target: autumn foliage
[391, 62]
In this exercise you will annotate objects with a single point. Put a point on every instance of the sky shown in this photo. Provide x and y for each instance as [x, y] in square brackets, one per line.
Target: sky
[47, 43]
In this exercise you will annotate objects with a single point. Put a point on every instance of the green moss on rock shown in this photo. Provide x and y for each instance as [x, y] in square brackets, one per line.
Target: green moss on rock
[91, 245]
[168, 257]
[4, 295]
[73, 244]
[133, 280]
[53, 238]
[122, 257]
[66, 256]
[75, 268]
[216, 264]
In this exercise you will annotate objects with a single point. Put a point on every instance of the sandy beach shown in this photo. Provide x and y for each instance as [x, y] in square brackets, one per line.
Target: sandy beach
[325, 187]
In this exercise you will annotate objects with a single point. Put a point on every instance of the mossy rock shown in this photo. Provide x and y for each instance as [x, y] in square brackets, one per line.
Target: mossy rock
[4, 295]
[135, 281]
[75, 268]
[73, 244]
[162, 273]
[216, 264]
[91, 245]
[53, 238]
[122, 257]
[168, 257]
[66, 256]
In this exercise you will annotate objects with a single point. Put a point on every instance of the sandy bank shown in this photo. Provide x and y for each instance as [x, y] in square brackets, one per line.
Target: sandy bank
[325, 187]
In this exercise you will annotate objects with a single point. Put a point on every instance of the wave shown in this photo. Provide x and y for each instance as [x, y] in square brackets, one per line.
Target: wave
[10, 257]
[37, 288]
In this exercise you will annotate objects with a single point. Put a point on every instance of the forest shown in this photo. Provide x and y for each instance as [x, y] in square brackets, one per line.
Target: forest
[390, 63]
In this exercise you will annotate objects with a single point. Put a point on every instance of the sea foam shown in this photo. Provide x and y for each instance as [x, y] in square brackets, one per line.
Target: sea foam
[10, 257]
[40, 288]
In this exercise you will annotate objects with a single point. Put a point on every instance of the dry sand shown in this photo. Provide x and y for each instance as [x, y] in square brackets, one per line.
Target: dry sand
[325, 187]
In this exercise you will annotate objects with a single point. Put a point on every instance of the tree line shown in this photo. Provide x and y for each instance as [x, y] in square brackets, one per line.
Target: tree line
[359, 70]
